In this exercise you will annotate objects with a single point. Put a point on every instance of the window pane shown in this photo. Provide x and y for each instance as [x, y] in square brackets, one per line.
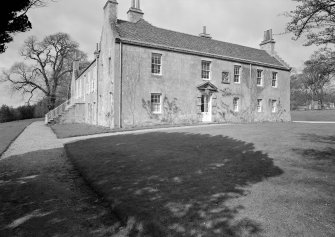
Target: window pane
[205, 69]
[156, 62]
[237, 73]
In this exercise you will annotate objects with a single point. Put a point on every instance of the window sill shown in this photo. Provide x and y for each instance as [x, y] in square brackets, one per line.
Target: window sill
[205, 79]
[225, 82]
[260, 85]
[157, 113]
[156, 75]
[237, 82]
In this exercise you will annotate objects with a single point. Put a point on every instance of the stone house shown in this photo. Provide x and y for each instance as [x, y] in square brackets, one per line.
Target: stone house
[144, 75]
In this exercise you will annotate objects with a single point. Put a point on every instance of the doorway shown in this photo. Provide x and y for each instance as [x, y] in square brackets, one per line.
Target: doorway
[206, 108]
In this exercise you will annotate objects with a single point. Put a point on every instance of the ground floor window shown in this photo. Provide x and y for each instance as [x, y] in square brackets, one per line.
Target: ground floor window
[156, 103]
[259, 105]
[236, 104]
[273, 106]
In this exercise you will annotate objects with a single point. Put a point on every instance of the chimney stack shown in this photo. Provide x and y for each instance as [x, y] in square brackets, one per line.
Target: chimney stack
[204, 34]
[268, 43]
[135, 13]
[110, 11]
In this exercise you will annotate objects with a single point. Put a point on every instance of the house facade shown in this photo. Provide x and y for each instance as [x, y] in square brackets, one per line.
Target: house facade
[146, 75]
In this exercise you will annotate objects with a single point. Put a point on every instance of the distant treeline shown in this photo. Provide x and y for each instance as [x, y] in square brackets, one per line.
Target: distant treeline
[8, 114]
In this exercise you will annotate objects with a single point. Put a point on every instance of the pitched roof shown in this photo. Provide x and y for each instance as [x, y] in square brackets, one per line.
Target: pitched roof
[143, 33]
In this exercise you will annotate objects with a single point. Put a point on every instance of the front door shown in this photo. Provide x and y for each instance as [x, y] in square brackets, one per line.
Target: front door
[206, 108]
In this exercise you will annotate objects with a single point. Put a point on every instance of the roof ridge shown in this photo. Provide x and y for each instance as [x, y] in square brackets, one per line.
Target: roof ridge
[143, 31]
[196, 36]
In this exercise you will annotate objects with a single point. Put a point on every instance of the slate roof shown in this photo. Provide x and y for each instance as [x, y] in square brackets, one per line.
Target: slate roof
[143, 33]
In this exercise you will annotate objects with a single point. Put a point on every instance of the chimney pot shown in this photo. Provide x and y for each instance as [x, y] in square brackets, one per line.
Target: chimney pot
[204, 33]
[135, 13]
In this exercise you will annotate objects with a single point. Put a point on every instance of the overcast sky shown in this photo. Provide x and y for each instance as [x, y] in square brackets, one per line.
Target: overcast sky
[236, 21]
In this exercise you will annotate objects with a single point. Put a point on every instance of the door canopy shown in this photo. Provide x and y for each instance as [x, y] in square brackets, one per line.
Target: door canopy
[207, 87]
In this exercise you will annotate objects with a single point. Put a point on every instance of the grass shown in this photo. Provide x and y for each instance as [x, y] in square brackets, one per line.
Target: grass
[313, 115]
[81, 129]
[77, 129]
[217, 181]
[9, 131]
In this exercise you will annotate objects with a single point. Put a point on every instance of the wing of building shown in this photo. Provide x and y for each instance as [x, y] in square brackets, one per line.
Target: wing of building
[145, 75]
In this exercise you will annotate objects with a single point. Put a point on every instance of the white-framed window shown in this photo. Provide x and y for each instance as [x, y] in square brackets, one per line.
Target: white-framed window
[259, 77]
[225, 77]
[236, 101]
[259, 105]
[237, 73]
[156, 63]
[205, 70]
[156, 103]
[273, 106]
[274, 79]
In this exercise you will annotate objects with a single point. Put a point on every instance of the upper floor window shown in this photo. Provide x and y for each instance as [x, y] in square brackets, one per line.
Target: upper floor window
[236, 104]
[237, 74]
[259, 77]
[156, 106]
[225, 77]
[274, 79]
[259, 105]
[273, 106]
[205, 70]
[156, 64]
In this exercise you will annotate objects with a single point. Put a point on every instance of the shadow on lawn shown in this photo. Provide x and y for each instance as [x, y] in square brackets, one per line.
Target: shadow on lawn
[174, 183]
[318, 138]
[321, 158]
[42, 195]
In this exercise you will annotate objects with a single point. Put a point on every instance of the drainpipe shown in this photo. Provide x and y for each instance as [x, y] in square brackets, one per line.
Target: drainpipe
[250, 82]
[97, 54]
[120, 110]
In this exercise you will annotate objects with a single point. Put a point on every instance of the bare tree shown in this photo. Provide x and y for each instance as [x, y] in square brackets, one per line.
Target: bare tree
[50, 69]
[315, 19]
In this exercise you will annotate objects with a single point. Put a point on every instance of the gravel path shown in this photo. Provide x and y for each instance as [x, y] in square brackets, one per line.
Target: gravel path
[36, 137]
[43, 195]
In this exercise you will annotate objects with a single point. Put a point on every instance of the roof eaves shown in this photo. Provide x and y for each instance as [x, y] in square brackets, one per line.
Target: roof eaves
[182, 50]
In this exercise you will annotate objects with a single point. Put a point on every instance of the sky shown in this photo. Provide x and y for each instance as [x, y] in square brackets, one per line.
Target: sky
[236, 21]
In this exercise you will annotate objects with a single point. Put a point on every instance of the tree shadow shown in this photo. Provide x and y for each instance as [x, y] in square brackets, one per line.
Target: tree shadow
[322, 156]
[174, 183]
[318, 138]
[42, 195]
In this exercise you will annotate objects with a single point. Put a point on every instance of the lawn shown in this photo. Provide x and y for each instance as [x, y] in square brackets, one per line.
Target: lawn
[9, 131]
[77, 129]
[271, 179]
[313, 115]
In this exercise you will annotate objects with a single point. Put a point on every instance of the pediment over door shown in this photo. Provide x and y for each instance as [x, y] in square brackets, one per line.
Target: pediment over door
[207, 86]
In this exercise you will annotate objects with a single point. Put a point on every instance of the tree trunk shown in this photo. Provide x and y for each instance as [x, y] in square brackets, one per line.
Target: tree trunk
[51, 102]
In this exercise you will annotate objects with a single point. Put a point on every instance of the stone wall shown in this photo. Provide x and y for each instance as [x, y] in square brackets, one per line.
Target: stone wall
[181, 74]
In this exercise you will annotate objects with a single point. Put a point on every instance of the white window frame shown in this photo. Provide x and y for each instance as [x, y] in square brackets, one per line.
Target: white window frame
[152, 103]
[259, 105]
[158, 64]
[274, 79]
[205, 70]
[273, 106]
[236, 104]
[239, 73]
[261, 77]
